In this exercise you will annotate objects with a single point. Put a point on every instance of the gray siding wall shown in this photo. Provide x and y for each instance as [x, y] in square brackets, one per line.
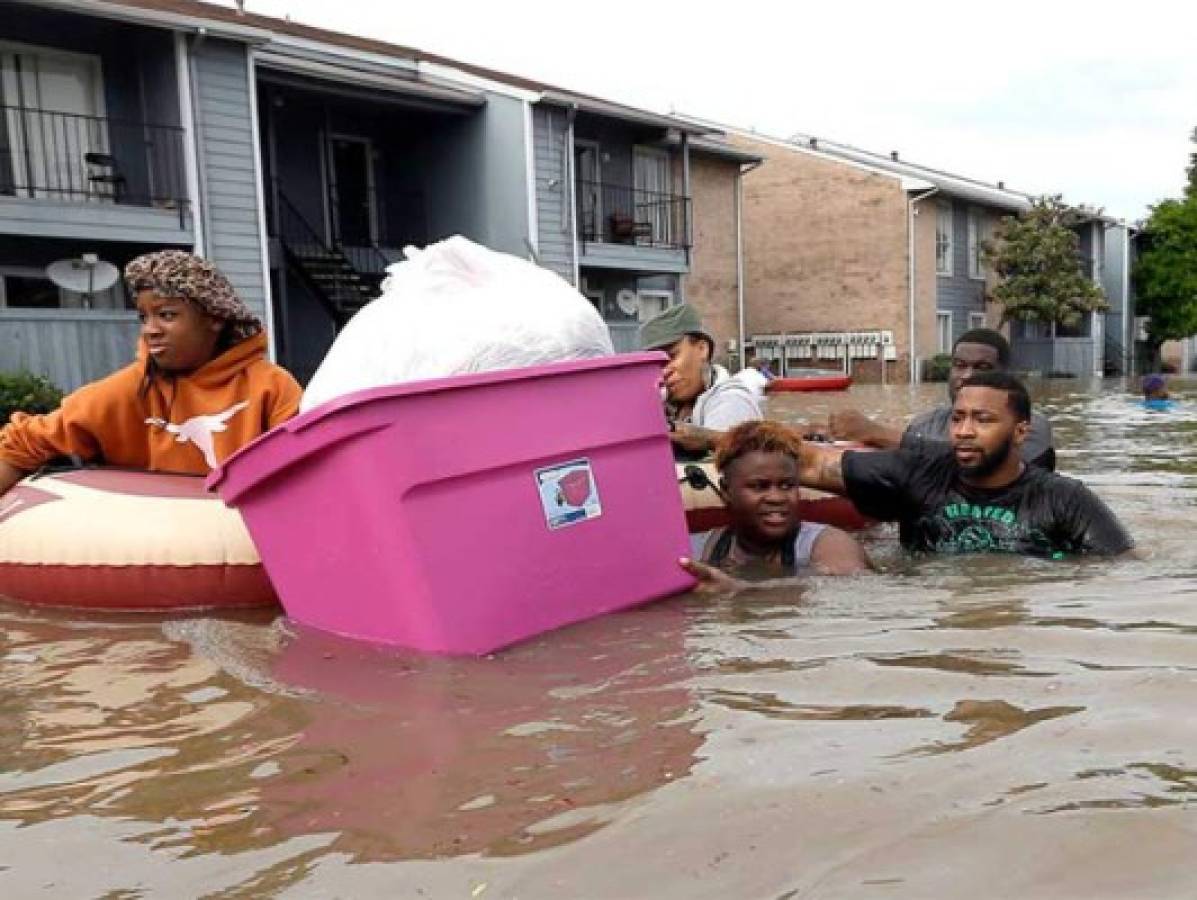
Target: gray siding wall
[1062, 355]
[225, 129]
[478, 182]
[554, 219]
[69, 347]
[958, 293]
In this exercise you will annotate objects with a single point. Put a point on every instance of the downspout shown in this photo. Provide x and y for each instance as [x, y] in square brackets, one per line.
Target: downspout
[742, 335]
[689, 207]
[198, 124]
[570, 115]
[1128, 326]
[911, 212]
[190, 155]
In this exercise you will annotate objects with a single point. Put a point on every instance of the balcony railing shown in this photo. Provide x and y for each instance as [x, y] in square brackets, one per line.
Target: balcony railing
[90, 159]
[614, 214]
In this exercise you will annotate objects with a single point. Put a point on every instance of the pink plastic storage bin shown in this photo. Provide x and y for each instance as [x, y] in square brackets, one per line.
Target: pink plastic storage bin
[462, 514]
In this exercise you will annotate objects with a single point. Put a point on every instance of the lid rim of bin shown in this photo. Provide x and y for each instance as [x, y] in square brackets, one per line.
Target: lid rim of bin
[430, 386]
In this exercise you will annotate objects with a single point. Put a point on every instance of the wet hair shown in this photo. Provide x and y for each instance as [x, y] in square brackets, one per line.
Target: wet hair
[1016, 391]
[756, 437]
[989, 338]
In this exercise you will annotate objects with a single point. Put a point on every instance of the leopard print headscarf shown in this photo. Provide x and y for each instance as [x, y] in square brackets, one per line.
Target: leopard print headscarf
[174, 273]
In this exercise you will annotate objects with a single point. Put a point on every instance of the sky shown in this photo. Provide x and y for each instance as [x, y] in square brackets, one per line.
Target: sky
[1095, 100]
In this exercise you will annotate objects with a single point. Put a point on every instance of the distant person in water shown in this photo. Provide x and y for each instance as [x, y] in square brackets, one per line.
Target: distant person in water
[756, 375]
[976, 351]
[766, 537]
[979, 495]
[701, 399]
[1155, 393]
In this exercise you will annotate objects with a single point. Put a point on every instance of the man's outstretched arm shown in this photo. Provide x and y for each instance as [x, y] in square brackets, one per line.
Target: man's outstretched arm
[821, 468]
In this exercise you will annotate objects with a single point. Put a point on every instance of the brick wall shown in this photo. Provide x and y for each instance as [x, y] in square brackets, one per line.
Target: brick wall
[710, 286]
[825, 249]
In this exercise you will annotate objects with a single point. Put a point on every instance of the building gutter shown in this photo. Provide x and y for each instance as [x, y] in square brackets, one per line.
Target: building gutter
[740, 317]
[911, 212]
[216, 28]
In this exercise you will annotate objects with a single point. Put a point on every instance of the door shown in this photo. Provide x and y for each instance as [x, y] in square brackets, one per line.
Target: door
[589, 190]
[352, 187]
[53, 118]
[653, 183]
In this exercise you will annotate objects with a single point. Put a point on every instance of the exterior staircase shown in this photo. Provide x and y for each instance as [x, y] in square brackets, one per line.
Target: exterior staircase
[340, 287]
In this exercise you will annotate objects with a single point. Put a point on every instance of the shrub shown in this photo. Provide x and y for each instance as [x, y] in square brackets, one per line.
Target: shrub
[26, 392]
[938, 367]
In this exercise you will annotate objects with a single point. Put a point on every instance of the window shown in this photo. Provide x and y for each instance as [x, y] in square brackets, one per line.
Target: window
[588, 176]
[22, 288]
[943, 239]
[53, 118]
[652, 180]
[977, 235]
[653, 302]
[943, 331]
[976, 320]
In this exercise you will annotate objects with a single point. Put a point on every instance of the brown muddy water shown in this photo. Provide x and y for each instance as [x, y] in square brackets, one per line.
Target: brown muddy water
[981, 727]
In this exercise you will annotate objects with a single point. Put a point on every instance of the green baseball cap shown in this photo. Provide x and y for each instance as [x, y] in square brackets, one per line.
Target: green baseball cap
[667, 328]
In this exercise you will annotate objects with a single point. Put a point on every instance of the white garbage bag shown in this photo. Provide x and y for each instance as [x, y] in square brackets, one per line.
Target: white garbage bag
[453, 308]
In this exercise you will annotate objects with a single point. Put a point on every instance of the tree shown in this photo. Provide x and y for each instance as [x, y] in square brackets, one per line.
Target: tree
[1036, 257]
[1165, 273]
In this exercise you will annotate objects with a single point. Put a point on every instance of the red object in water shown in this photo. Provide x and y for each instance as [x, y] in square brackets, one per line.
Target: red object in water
[575, 487]
[819, 380]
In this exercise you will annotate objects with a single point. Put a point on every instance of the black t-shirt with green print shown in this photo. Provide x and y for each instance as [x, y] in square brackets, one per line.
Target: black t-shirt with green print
[1039, 514]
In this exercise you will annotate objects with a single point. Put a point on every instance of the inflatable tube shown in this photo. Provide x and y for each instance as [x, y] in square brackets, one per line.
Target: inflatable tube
[705, 509]
[121, 540]
[818, 380]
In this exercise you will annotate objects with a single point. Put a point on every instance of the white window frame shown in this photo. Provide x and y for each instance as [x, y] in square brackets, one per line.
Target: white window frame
[670, 298]
[976, 236]
[976, 320]
[944, 244]
[943, 338]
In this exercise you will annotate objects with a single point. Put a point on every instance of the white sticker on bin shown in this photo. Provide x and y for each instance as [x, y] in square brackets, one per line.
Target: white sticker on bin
[568, 493]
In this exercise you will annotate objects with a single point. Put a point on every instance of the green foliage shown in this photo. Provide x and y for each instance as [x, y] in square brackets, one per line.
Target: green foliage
[1166, 271]
[938, 367]
[26, 392]
[1036, 257]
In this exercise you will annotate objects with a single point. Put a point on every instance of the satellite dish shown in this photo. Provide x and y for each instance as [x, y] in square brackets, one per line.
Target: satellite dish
[627, 301]
[84, 275]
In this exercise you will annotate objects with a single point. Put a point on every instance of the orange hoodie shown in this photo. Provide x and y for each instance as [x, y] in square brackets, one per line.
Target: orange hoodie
[185, 424]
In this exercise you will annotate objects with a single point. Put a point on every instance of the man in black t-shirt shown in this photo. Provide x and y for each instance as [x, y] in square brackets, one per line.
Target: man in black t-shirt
[975, 351]
[979, 496]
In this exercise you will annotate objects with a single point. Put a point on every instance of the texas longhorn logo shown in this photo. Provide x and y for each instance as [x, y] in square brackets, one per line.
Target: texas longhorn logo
[199, 430]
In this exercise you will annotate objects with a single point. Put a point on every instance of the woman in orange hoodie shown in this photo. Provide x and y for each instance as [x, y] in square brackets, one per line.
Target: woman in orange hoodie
[200, 389]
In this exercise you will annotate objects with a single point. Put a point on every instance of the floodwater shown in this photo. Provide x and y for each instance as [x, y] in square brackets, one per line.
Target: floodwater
[982, 727]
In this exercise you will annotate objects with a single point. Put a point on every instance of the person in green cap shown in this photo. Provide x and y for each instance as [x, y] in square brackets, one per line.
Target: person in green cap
[701, 399]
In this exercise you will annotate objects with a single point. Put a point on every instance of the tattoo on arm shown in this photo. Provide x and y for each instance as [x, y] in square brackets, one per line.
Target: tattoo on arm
[831, 473]
[822, 470]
